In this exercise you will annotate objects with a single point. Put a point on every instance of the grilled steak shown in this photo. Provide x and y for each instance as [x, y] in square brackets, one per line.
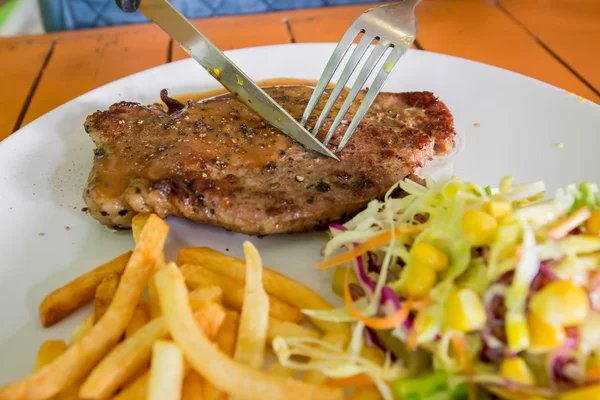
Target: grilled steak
[216, 162]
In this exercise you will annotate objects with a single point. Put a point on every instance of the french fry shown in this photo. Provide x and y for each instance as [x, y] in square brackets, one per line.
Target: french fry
[276, 284]
[365, 393]
[82, 329]
[135, 376]
[138, 389]
[205, 294]
[339, 340]
[280, 370]
[166, 372]
[226, 338]
[233, 292]
[65, 300]
[133, 354]
[227, 335]
[209, 318]
[74, 364]
[137, 224]
[140, 317]
[216, 367]
[104, 294]
[153, 298]
[124, 361]
[70, 393]
[212, 393]
[287, 329]
[193, 387]
[358, 380]
[252, 333]
[48, 351]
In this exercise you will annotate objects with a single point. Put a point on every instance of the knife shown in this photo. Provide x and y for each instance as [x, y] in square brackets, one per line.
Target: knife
[222, 69]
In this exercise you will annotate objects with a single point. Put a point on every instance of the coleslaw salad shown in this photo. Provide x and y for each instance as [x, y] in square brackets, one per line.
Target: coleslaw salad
[469, 291]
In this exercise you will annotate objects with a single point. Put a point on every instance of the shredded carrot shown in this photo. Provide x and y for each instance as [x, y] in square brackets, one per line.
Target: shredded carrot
[422, 305]
[352, 381]
[371, 244]
[411, 342]
[376, 323]
[461, 348]
[519, 252]
[573, 221]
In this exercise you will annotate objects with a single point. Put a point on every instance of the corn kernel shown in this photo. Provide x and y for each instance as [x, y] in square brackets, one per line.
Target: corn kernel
[451, 189]
[337, 284]
[426, 255]
[517, 370]
[592, 366]
[478, 227]
[464, 311]
[365, 393]
[544, 336]
[560, 303]
[517, 333]
[418, 281]
[593, 223]
[584, 393]
[498, 208]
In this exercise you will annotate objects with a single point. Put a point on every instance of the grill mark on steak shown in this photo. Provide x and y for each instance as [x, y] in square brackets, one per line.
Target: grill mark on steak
[216, 162]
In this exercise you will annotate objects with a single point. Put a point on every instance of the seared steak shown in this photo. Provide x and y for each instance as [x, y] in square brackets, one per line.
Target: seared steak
[216, 162]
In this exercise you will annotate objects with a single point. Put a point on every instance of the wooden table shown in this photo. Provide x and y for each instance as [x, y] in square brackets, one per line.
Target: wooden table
[551, 40]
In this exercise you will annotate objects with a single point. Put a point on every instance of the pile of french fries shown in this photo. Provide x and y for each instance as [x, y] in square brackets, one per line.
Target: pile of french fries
[203, 332]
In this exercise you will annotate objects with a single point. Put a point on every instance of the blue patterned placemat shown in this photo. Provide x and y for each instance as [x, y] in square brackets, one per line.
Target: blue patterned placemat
[61, 15]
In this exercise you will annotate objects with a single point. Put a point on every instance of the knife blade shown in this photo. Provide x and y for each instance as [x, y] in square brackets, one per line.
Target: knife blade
[226, 72]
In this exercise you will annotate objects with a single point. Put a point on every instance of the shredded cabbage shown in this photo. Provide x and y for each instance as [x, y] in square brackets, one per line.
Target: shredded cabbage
[442, 354]
[516, 324]
[541, 214]
[349, 237]
[503, 247]
[340, 314]
[522, 193]
[333, 362]
[589, 333]
[371, 211]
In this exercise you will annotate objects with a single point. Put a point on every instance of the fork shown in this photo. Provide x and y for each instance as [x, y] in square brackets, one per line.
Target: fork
[390, 26]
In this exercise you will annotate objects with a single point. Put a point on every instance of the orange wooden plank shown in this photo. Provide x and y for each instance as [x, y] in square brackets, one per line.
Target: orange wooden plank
[241, 31]
[478, 30]
[472, 29]
[82, 61]
[22, 60]
[571, 29]
[323, 24]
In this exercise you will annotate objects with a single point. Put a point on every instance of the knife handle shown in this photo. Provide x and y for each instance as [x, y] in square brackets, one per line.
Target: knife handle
[128, 6]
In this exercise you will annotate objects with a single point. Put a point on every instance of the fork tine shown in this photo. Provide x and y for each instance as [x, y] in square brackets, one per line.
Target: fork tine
[357, 55]
[372, 60]
[378, 83]
[334, 61]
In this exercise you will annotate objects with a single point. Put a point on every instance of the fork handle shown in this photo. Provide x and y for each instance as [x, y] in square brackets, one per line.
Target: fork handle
[128, 6]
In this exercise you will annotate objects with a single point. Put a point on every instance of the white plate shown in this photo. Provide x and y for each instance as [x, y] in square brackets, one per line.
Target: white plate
[44, 166]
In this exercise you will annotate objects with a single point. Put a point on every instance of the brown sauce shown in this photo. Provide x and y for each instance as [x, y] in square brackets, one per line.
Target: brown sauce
[197, 96]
